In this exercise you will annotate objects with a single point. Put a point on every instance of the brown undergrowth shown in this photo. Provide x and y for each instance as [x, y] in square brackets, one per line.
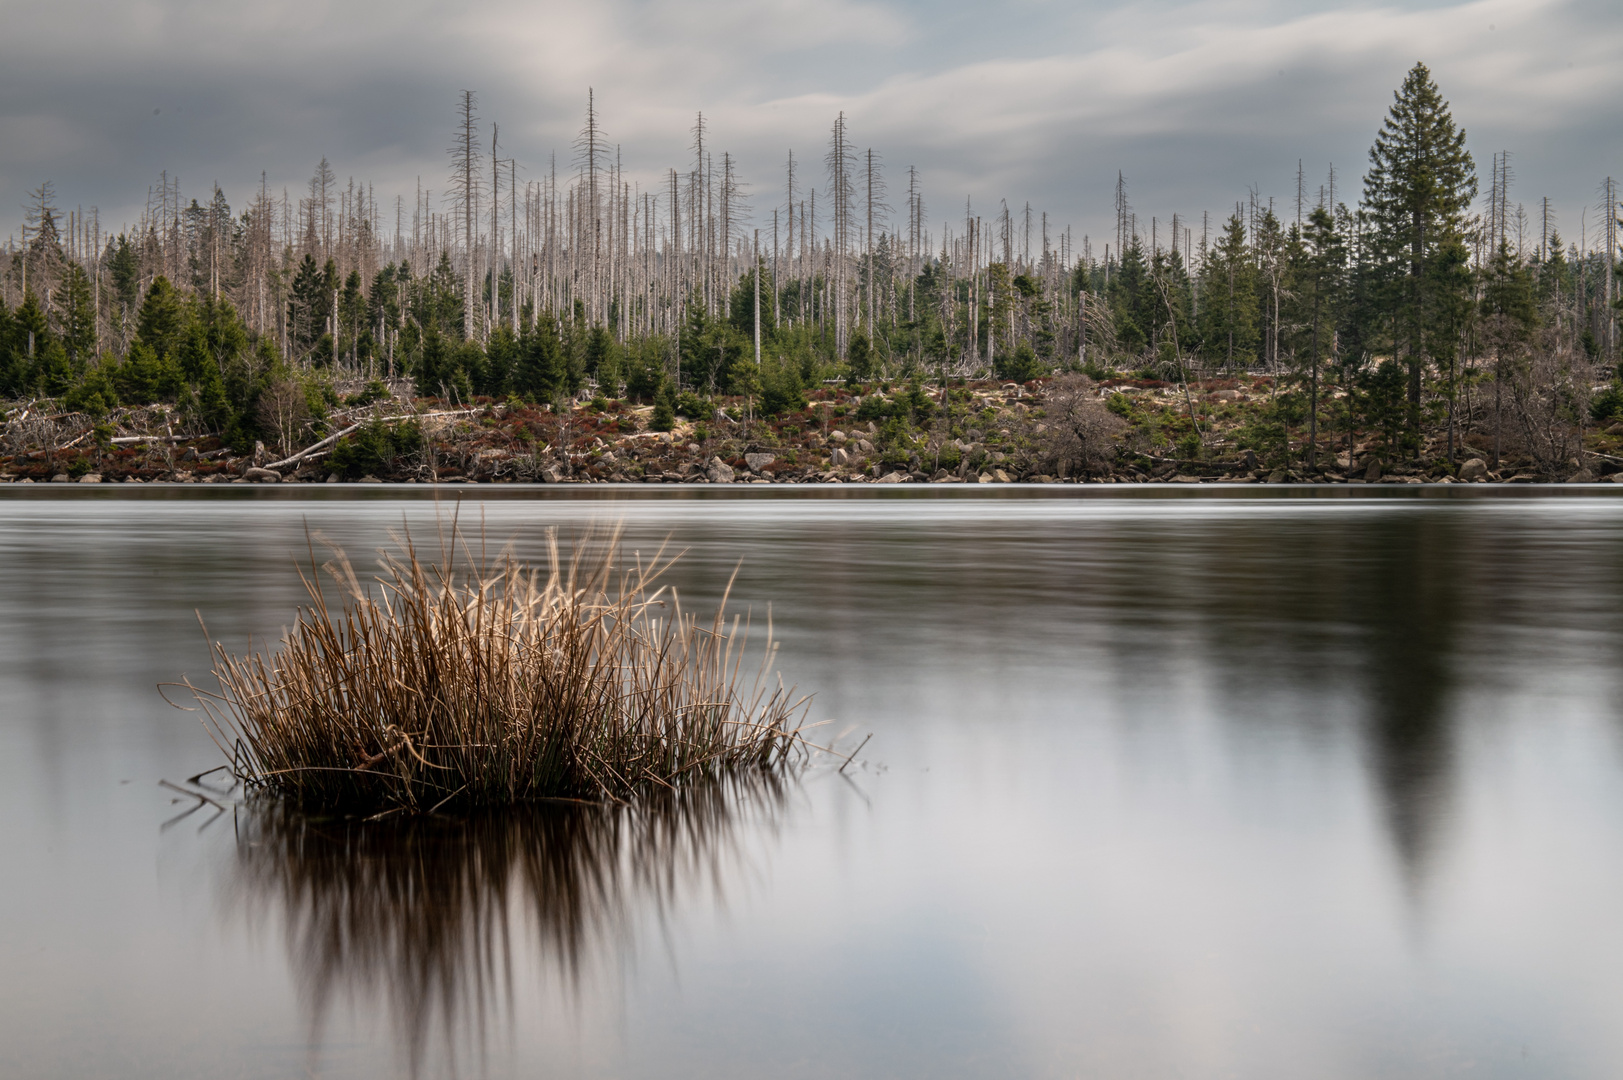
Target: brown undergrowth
[465, 683]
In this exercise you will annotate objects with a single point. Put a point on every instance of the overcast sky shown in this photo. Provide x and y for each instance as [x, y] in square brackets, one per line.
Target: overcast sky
[1028, 100]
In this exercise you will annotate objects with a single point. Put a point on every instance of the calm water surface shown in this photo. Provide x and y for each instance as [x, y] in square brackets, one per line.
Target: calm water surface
[1163, 786]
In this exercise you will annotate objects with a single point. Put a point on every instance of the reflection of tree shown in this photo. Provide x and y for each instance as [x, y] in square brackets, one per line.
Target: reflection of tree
[416, 912]
[1409, 612]
[1306, 609]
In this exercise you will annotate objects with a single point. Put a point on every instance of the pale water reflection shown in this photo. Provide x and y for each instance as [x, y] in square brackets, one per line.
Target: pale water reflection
[1162, 785]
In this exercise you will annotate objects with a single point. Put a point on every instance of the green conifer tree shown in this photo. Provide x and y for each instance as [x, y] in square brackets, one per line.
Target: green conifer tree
[1418, 189]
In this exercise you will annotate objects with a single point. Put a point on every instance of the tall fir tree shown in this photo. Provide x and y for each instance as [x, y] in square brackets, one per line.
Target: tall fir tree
[1419, 187]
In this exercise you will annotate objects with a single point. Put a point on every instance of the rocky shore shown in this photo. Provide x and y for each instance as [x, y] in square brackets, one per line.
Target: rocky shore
[978, 433]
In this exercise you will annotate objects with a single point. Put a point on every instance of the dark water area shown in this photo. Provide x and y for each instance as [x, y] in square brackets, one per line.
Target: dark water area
[1162, 784]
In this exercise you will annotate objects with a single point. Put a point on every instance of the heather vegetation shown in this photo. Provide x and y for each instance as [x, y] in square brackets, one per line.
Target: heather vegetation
[594, 328]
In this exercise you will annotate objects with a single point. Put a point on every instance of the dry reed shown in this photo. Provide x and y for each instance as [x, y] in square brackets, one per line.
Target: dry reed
[498, 684]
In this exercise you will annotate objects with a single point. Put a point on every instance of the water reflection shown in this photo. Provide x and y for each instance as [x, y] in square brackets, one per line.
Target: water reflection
[426, 919]
[1408, 611]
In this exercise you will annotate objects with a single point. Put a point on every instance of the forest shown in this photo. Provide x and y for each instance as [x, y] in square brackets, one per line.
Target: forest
[512, 328]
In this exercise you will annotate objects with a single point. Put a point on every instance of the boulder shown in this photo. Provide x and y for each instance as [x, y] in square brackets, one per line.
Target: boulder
[837, 436]
[757, 462]
[332, 478]
[1277, 477]
[1373, 473]
[552, 474]
[999, 476]
[893, 478]
[263, 476]
[864, 446]
[61, 478]
[370, 479]
[1582, 476]
[719, 473]
[1474, 469]
[90, 478]
[839, 457]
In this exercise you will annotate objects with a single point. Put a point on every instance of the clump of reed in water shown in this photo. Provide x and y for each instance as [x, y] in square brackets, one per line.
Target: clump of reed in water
[498, 685]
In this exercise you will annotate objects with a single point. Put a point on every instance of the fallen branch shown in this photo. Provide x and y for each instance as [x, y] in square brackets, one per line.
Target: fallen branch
[332, 439]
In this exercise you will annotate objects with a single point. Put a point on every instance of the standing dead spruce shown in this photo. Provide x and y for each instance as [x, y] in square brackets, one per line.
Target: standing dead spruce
[496, 685]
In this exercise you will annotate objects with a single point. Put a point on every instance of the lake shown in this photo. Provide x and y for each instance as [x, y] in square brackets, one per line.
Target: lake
[1261, 783]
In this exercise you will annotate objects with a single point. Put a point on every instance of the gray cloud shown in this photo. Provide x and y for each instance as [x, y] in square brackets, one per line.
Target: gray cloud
[1032, 100]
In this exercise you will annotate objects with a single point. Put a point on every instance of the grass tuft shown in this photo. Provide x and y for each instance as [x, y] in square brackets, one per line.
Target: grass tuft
[436, 687]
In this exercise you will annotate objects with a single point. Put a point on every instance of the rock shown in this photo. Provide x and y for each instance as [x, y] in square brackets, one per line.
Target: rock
[1474, 469]
[1277, 477]
[1182, 479]
[719, 473]
[893, 478]
[1249, 460]
[1373, 473]
[839, 457]
[864, 446]
[1615, 429]
[1582, 476]
[837, 436]
[757, 462]
[1043, 478]
[332, 478]
[263, 476]
[190, 454]
[983, 478]
[90, 478]
[999, 476]
[259, 453]
[61, 478]
[370, 479]
[552, 474]
[1615, 478]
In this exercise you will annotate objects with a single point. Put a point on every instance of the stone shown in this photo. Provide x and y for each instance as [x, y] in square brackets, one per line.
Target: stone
[1582, 476]
[369, 479]
[552, 474]
[837, 436]
[1277, 477]
[839, 457]
[757, 462]
[1615, 478]
[984, 478]
[1474, 469]
[263, 476]
[190, 454]
[999, 476]
[1183, 479]
[61, 478]
[719, 473]
[332, 478]
[1615, 429]
[893, 478]
[864, 446]
[1373, 473]
[90, 478]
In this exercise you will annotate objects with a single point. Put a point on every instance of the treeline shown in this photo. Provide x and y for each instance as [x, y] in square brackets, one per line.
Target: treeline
[1414, 311]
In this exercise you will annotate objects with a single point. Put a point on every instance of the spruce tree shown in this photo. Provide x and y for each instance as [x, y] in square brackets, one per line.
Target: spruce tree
[1318, 300]
[1228, 292]
[1418, 189]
